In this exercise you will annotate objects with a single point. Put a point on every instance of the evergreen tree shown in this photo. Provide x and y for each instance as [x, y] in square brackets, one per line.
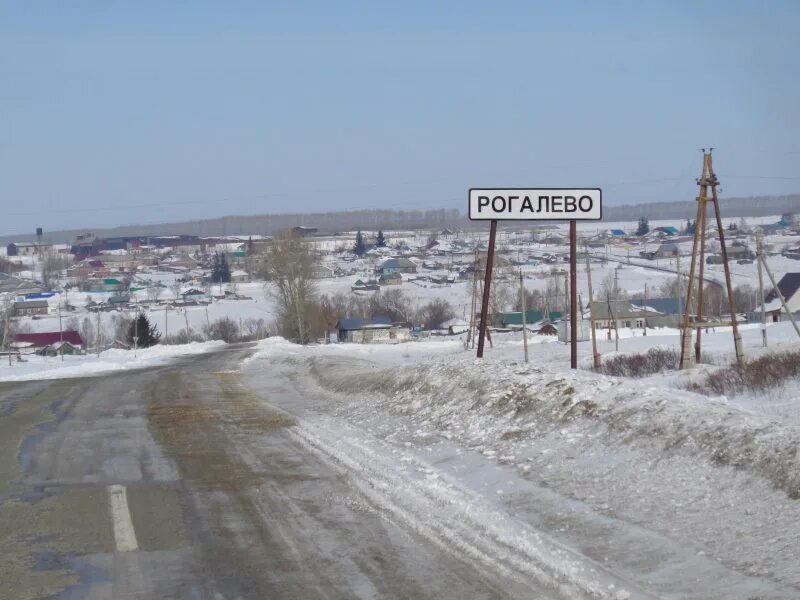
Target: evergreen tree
[689, 227]
[359, 248]
[146, 333]
[224, 270]
[220, 271]
[215, 269]
[644, 226]
[380, 242]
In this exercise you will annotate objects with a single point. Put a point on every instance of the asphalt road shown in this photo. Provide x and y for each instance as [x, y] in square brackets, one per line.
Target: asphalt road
[177, 482]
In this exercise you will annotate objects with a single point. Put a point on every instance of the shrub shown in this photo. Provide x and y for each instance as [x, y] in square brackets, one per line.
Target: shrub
[765, 372]
[224, 329]
[655, 360]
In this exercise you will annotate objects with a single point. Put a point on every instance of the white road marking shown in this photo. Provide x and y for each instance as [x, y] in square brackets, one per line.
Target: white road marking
[124, 535]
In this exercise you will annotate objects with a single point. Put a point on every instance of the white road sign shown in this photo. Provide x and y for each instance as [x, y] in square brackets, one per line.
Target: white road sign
[549, 204]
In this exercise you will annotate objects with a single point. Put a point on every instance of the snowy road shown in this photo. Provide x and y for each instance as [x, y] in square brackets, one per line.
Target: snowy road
[222, 477]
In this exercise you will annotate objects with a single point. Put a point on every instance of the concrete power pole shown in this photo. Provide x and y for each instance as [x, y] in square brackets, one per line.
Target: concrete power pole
[595, 355]
[759, 258]
[524, 323]
[60, 333]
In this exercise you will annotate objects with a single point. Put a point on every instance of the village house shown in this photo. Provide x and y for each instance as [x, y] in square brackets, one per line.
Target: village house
[365, 286]
[322, 272]
[239, 276]
[626, 314]
[30, 308]
[378, 329]
[14, 286]
[48, 341]
[390, 279]
[396, 265]
[27, 248]
[789, 286]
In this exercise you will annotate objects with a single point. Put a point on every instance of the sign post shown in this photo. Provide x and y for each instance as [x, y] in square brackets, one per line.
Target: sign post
[535, 204]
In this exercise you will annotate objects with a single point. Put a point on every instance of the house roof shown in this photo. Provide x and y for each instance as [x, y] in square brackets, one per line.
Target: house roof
[667, 306]
[531, 316]
[668, 229]
[31, 304]
[788, 285]
[397, 263]
[350, 323]
[621, 309]
[51, 337]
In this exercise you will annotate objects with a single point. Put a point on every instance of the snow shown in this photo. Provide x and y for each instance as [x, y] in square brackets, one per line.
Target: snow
[40, 367]
[629, 471]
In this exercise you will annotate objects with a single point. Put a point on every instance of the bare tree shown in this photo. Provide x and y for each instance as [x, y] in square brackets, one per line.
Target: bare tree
[289, 273]
[52, 267]
[153, 292]
[225, 329]
[435, 313]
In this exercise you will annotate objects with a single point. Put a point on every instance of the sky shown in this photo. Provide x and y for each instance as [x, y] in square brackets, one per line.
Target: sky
[115, 113]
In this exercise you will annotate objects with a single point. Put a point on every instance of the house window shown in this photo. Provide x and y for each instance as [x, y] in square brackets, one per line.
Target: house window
[627, 323]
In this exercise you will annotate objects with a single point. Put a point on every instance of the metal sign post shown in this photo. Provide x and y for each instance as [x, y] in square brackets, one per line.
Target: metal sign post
[487, 283]
[536, 204]
[573, 295]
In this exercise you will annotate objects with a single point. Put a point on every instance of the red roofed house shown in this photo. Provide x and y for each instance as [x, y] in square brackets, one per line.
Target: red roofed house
[38, 342]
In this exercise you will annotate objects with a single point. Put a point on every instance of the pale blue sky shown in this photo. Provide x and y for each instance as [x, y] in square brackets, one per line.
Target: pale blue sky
[255, 107]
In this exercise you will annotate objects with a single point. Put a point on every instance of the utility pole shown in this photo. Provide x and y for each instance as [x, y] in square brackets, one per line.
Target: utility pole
[186, 320]
[700, 287]
[5, 336]
[487, 282]
[573, 297]
[759, 258]
[706, 180]
[166, 325]
[60, 333]
[470, 332]
[645, 309]
[136, 330]
[524, 323]
[97, 335]
[595, 355]
[611, 320]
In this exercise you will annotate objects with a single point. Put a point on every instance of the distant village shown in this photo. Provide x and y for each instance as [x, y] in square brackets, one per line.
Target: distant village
[441, 270]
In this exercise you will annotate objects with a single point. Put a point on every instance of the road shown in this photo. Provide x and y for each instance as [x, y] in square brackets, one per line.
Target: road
[179, 482]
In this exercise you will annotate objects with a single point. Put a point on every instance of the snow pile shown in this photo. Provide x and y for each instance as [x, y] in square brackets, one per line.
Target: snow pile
[480, 401]
[39, 367]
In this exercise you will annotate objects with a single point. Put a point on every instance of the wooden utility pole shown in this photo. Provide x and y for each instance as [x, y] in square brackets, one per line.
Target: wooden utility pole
[700, 286]
[524, 323]
[759, 258]
[707, 180]
[595, 355]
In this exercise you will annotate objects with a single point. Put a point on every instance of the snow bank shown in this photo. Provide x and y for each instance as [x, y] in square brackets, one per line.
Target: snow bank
[39, 367]
[484, 401]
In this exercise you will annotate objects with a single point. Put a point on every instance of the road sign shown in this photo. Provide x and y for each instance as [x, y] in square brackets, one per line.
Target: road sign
[537, 204]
